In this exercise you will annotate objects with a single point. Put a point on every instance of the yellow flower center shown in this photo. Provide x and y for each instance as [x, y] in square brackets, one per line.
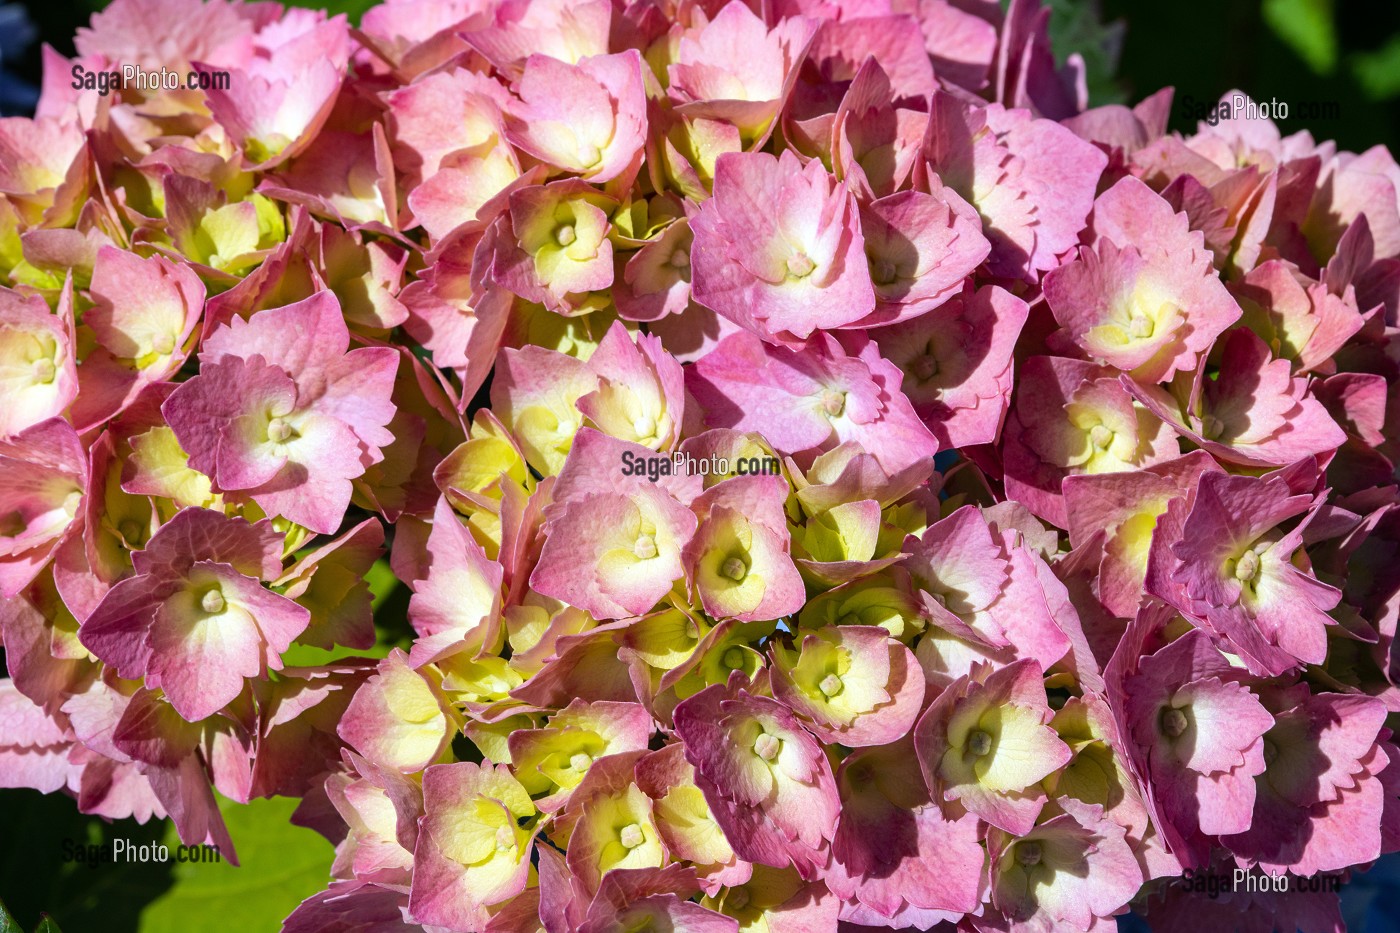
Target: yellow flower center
[733, 658]
[644, 548]
[979, 743]
[833, 402]
[163, 344]
[645, 426]
[505, 839]
[1100, 436]
[589, 155]
[565, 235]
[734, 569]
[830, 685]
[581, 761]
[1140, 327]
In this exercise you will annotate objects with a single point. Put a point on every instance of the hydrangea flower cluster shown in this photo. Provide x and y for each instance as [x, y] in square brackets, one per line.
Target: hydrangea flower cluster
[842, 481]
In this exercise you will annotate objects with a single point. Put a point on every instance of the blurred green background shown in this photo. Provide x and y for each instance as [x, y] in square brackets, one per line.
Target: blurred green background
[1294, 51]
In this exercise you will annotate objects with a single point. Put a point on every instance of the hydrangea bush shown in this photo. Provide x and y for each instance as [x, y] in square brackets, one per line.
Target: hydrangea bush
[842, 481]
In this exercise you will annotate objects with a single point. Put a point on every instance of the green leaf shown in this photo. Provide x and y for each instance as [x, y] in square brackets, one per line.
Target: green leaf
[7, 923]
[382, 582]
[353, 9]
[1076, 26]
[282, 865]
[1308, 28]
[1378, 72]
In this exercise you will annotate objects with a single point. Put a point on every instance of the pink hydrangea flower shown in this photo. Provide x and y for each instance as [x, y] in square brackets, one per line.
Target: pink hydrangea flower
[34, 752]
[144, 315]
[288, 422]
[626, 570]
[873, 142]
[553, 247]
[195, 619]
[37, 365]
[278, 100]
[897, 856]
[43, 167]
[1195, 734]
[641, 391]
[43, 487]
[397, 719]
[921, 248]
[1145, 298]
[460, 598]
[561, 29]
[738, 70]
[1068, 873]
[986, 743]
[1072, 417]
[1307, 321]
[810, 400]
[685, 822]
[1255, 414]
[1032, 180]
[850, 684]
[1319, 805]
[586, 118]
[471, 852]
[739, 562]
[982, 588]
[778, 249]
[1234, 574]
[1125, 507]
[765, 777]
[957, 364]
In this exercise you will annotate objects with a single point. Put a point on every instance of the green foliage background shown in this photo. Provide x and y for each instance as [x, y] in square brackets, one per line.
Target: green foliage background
[1294, 50]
